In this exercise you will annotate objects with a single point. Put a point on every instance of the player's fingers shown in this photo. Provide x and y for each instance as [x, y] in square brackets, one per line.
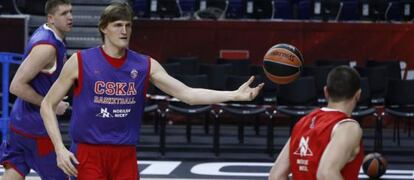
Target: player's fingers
[64, 163]
[64, 169]
[260, 86]
[256, 90]
[251, 79]
[73, 171]
[73, 158]
[69, 167]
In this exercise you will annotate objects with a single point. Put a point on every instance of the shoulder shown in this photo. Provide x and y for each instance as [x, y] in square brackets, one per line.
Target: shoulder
[138, 55]
[42, 34]
[73, 61]
[347, 126]
[43, 50]
[90, 51]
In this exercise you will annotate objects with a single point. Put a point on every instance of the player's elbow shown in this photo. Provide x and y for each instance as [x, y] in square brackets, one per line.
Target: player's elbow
[14, 88]
[321, 175]
[45, 107]
[277, 176]
[328, 174]
[277, 173]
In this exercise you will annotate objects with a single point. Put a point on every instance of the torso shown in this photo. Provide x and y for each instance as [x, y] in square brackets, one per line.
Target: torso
[107, 108]
[309, 139]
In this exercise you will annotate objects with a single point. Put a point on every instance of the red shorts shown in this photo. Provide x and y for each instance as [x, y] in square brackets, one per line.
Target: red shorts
[106, 162]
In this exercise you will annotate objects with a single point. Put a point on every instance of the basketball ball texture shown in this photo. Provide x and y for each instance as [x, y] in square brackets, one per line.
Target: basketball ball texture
[283, 63]
[374, 165]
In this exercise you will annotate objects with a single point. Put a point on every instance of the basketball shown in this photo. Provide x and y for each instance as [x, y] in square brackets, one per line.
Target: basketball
[374, 165]
[283, 63]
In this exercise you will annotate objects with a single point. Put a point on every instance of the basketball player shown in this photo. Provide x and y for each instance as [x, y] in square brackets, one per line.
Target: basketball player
[110, 89]
[326, 144]
[28, 145]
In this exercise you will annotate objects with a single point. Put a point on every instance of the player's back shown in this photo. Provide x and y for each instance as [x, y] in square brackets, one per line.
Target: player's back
[309, 139]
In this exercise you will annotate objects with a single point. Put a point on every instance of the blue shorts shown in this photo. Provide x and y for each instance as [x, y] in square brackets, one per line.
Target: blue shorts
[23, 153]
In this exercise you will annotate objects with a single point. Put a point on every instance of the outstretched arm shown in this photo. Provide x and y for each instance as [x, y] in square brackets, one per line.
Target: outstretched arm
[281, 168]
[59, 89]
[342, 148]
[194, 96]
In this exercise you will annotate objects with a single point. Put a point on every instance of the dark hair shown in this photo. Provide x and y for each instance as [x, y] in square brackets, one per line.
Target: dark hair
[342, 84]
[114, 12]
[51, 5]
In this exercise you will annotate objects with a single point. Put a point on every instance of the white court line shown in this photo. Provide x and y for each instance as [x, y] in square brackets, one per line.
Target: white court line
[161, 165]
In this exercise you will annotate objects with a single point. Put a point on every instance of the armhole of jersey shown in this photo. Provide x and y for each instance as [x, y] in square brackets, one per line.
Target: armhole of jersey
[51, 70]
[147, 77]
[341, 122]
[79, 81]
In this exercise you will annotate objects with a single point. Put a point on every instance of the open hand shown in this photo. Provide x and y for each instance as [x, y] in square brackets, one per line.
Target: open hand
[246, 93]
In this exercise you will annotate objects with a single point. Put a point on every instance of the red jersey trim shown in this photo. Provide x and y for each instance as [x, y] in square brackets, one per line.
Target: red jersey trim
[44, 143]
[79, 81]
[147, 77]
[116, 62]
[26, 134]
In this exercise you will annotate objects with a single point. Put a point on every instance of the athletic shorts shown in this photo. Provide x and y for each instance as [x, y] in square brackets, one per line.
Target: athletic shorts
[102, 162]
[23, 153]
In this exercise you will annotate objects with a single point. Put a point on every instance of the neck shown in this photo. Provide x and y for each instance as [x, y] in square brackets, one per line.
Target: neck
[113, 51]
[60, 34]
[344, 106]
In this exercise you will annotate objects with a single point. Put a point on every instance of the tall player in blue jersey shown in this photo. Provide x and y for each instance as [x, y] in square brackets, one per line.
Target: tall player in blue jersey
[28, 145]
[110, 89]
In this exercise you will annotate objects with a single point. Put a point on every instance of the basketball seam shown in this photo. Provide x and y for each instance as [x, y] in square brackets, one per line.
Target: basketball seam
[281, 63]
[293, 54]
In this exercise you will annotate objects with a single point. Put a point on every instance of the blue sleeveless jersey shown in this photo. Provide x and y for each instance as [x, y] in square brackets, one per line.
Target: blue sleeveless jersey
[25, 117]
[109, 102]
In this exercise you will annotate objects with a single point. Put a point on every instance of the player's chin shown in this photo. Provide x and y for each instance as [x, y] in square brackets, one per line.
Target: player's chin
[123, 44]
[68, 29]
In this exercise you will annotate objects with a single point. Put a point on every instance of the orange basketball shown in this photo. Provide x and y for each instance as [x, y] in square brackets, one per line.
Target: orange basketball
[283, 63]
[374, 165]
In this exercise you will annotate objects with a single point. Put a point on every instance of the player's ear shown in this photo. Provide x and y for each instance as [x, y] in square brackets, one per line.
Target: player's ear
[50, 19]
[358, 95]
[325, 92]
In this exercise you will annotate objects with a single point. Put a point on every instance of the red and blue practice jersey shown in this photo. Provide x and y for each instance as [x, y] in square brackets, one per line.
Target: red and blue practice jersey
[109, 102]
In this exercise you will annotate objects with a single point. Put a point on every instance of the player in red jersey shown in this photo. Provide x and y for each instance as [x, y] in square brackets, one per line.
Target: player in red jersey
[326, 144]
